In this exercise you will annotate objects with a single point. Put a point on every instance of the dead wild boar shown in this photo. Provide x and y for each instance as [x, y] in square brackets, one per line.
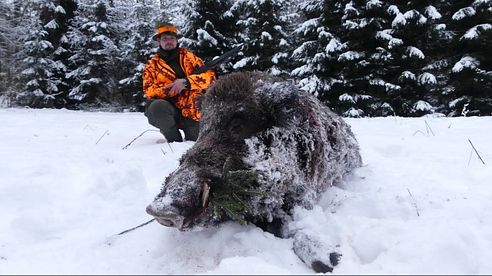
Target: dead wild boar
[264, 147]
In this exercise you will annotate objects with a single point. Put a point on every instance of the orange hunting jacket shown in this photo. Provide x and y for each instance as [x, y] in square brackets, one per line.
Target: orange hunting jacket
[158, 74]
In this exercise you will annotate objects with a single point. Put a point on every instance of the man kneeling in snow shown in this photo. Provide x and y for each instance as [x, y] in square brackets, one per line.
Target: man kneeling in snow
[172, 88]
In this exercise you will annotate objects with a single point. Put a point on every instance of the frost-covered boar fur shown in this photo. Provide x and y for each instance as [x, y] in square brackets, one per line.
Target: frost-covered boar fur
[295, 146]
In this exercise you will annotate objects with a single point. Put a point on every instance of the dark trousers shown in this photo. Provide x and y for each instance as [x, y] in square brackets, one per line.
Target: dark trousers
[168, 119]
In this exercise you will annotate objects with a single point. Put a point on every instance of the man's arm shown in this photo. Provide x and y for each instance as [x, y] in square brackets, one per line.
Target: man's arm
[152, 88]
[202, 80]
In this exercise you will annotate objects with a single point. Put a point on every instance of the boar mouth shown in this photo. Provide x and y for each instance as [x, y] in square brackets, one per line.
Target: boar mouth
[204, 200]
[171, 222]
[170, 216]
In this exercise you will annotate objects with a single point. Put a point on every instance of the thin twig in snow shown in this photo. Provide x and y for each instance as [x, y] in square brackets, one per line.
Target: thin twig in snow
[170, 147]
[414, 203]
[427, 128]
[163, 152]
[469, 157]
[136, 227]
[125, 147]
[480, 157]
[106, 132]
[418, 132]
[110, 240]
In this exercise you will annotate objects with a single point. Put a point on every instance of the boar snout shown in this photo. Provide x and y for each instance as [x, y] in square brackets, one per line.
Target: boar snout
[168, 216]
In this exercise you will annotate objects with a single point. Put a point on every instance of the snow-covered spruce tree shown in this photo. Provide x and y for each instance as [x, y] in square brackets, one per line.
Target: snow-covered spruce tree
[263, 24]
[471, 73]
[362, 62]
[438, 48]
[339, 58]
[210, 29]
[318, 47]
[310, 39]
[65, 11]
[136, 46]
[10, 44]
[411, 76]
[92, 65]
[45, 56]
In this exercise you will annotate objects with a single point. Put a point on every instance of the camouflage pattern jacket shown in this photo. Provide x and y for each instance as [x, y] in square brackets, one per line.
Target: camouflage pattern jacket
[158, 73]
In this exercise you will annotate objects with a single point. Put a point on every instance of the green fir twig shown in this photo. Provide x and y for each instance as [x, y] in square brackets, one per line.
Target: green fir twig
[229, 198]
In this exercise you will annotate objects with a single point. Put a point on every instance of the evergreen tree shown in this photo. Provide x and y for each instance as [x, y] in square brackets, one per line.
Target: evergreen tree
[10, 44]
[379, 58]
[423, 36]
[93, 63]
[210, 29]
[135, 47]
[310, 55]
[471, 73]
[263, 24]
[341, 58]
[64, 12]
[360, 57]
[43, 76]
[438, 45]
[362, 62]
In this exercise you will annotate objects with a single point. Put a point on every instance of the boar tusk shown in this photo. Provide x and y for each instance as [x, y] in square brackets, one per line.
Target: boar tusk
[205, 193]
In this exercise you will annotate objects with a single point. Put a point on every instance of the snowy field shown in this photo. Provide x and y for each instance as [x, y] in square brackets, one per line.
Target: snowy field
[422, 203]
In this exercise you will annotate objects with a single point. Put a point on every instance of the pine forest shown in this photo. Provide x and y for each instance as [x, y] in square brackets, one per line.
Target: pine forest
[361, 58]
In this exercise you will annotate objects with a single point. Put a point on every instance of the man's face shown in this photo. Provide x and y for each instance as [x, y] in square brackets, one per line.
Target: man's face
[168, 42]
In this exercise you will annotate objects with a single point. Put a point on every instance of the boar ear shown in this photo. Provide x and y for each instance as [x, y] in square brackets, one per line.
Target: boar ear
[279, 101]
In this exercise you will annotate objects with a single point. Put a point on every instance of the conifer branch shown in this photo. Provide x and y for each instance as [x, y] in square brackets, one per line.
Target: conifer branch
[229, 198]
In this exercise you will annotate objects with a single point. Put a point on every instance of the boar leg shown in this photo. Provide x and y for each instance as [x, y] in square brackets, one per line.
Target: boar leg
[275, 227]
[319, 256]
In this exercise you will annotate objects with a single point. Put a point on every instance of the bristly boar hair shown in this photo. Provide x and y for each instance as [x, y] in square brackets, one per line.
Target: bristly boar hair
[264, 147]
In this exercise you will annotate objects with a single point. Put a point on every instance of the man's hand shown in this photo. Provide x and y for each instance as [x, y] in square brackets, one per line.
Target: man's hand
[175, 88]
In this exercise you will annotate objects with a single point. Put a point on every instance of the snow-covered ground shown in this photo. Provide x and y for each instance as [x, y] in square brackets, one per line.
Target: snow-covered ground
[421, 204]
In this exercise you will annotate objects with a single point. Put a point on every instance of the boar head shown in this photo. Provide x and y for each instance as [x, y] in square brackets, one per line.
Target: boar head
[232, 110]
